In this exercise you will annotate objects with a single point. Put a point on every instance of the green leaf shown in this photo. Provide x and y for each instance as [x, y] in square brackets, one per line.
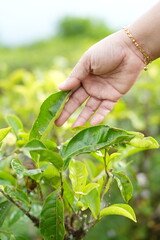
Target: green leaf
[5, 235]
[144, 143]
[17, 194]
[15, 123]
[68, 194]
[119, 209]
[4, 210]
[52, 175]
[49, 111]
[46, 155]
[15, 216]
[18, 167]
[94, 138]
[22, 171]
[137, 144]
[20, 238]
[34, 145]
[4, 132]
[8, 178]
[93, 201]
[124, 185]
[78, 175]
[89, 187]
[108, 184]
[52, 218]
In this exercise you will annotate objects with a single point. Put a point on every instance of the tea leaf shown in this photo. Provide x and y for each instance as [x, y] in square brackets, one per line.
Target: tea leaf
[4, 132]
[46, 155]
[78, 175]
[15, 123]
[93, 138]
[124, 185]
[119, 209]
[4, 210]
[93, 201]
[49, 111]
[52, 218]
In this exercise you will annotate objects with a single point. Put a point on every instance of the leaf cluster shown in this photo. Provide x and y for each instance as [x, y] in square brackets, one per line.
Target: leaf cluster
[68, 182]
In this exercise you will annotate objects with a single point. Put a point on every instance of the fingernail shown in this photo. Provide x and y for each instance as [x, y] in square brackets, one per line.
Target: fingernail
[62, 85]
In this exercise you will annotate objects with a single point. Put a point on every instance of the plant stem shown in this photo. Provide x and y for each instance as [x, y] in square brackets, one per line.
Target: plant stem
[62, 189]
[40, 192]
[107, 176]
[31, 217]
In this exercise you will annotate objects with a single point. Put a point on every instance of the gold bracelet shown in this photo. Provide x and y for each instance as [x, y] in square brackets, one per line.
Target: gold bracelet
[146, 57]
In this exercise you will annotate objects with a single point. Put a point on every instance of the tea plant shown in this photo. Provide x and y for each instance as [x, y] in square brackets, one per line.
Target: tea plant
[65, 183]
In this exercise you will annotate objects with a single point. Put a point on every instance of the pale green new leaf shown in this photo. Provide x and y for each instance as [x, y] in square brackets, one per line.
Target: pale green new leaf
[92, 199]
[144, 143]
[4, 132]
[89, 187]
[49, 111]
[4, 210]
[15, 123]
[52, 218]
[119, 209]
[78, 175]
[68, 194]
[137, 144]
[124, 185]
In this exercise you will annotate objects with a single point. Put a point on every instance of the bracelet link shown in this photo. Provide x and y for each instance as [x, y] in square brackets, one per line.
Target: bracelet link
[146, 57]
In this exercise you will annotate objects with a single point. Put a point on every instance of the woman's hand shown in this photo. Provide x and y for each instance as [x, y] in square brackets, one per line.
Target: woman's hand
[102, 76]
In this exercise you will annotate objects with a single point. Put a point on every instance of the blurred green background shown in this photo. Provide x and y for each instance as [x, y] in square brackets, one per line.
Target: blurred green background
[30, 73]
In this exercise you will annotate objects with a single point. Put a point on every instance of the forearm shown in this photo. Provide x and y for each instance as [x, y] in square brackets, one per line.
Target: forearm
[146, 30]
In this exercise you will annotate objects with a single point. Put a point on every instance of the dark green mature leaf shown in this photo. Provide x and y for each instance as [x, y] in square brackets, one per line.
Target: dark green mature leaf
[17, 194]
[46, 155]
[125, 186]
[119, 209]
[49, 111]
[21, 238]
[94, 138]
[52, 218]
[22, 171]
[4, 132]
[4, 209]
[15, 123]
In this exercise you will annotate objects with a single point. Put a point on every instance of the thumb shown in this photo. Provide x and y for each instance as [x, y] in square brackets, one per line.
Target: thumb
[78, 74]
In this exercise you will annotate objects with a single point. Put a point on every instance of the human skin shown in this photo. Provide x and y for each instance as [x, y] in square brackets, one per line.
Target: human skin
[109, 68]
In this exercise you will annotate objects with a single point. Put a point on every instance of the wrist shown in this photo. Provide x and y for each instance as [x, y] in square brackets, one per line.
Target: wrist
[146, 31]
[131, 48]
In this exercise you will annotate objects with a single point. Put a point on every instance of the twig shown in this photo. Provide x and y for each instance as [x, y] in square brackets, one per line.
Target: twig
[40, 192]
[62, 189]
[31, 217]
[107, 176]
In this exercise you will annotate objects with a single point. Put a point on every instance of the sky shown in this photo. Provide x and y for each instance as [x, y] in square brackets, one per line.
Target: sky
[26, 21]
